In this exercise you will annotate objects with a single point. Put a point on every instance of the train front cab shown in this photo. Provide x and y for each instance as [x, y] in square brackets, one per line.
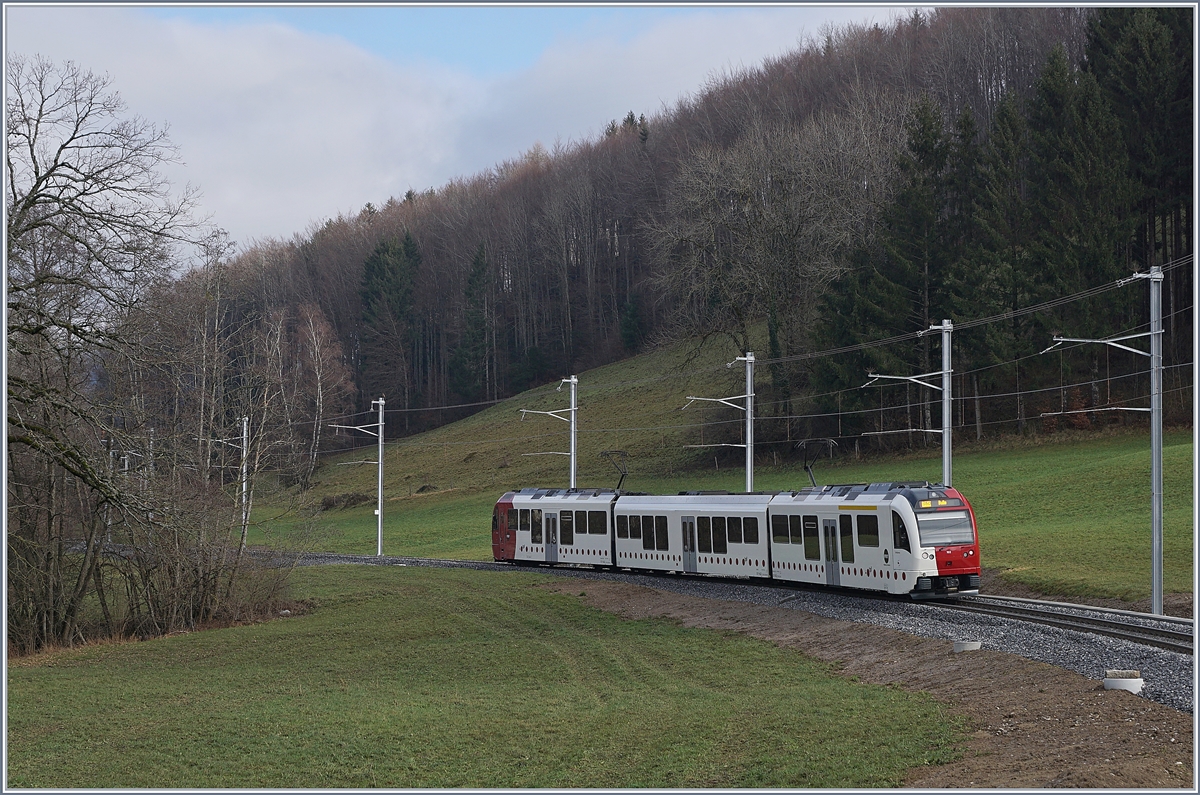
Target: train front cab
[844, 536]
[946, 548]
[902, 538]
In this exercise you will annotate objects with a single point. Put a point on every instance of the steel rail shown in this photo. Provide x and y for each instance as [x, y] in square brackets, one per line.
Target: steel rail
[1162, 637]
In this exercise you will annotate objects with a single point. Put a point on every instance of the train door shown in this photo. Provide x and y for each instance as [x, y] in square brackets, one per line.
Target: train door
[552, 538]
[902, 557]
[689, 544]
[831, 551]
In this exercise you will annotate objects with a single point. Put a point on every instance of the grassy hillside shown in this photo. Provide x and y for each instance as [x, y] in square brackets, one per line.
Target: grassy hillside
[457, 470]
[634, 405]
[435, 678]
[1067, 514]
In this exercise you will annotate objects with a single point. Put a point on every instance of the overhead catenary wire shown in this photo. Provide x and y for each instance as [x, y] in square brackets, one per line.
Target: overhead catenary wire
[960, 325]
[413, 442]
[405, 443]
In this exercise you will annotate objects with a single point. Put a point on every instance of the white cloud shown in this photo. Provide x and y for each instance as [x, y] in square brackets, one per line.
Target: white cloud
[277, 128]
[281, 128]
[579, 84]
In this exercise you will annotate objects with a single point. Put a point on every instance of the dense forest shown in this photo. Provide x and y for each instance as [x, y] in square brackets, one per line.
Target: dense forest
[958, 164]
[970, 164]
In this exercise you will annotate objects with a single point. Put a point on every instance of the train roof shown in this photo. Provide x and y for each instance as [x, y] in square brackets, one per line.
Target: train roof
[917, 493]
[530, 494]
[920, 494]
[697, 498]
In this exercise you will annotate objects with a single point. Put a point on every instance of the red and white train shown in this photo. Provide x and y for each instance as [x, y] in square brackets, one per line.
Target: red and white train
[902, 538]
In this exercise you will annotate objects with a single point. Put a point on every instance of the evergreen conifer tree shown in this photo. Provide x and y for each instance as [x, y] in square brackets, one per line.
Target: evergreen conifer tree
[469, 362]
[389, 276]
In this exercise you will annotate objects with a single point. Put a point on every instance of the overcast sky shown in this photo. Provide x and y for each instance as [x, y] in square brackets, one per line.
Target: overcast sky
[286, 117]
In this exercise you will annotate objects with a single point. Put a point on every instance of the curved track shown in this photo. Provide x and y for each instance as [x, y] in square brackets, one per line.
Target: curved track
[1164, 632]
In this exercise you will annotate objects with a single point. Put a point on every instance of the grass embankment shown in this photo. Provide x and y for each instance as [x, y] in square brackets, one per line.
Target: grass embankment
[1062, 513]
[406, 677]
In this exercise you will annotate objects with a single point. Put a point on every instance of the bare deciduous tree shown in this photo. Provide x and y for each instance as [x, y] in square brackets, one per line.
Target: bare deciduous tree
[90, 225]
[761, 228]
[113, 393]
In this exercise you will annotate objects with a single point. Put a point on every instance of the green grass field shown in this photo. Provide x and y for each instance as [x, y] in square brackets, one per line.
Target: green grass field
[408, 677]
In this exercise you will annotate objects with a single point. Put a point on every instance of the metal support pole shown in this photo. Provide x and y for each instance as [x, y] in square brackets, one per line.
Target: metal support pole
[1156, 431]
[112, 468]
[947, 411]
[245, 478]
[574, 382]
[150, 476]
[947, 414]
[1156, 474]
[378, 426]
[748, 408]
[379, 497]
[749, 421]
[557, 414]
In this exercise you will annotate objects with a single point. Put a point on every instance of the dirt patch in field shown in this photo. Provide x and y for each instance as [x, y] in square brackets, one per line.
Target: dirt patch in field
[1030, 724]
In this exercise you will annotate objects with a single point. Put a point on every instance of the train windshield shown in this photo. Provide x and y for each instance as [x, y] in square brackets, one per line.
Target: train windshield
[945, 527]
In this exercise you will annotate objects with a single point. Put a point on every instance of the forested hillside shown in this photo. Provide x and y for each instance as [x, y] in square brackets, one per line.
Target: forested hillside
[969, 163]
[958, 165]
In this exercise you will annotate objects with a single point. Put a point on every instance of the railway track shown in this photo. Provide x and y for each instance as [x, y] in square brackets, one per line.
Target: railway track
[1164, 632]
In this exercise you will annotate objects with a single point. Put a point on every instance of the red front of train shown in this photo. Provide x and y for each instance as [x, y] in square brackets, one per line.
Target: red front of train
[948, 537]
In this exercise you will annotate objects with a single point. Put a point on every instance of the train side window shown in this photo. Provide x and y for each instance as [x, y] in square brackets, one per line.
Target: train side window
[846, 531]
[597, 523]
[796, 531]
[779, 529]
[750, 529]
[704, 533]
[719, 536]
[622, 527]
[535, 525]
[512, 520]
[812, 538]
[566, 529]
[647, 532]
[635, 527]
[735, 529]
[868, 530]
[524, 520]
[660, 533]
[899, 533]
